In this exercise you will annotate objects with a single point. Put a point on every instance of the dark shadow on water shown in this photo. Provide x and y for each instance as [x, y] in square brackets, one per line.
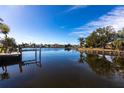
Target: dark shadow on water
[103, 66]
[6, 61]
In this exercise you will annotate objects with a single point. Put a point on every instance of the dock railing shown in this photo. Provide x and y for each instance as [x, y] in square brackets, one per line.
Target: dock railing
[35, 50]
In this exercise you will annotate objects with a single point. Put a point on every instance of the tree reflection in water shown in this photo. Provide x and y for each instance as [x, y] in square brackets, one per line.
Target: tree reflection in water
[102, 66]
[82, 57]
[118, 63]
[5, 74]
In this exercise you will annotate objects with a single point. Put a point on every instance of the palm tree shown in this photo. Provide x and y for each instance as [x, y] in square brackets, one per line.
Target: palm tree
[1, 20]
[4, 29]
[81, 39]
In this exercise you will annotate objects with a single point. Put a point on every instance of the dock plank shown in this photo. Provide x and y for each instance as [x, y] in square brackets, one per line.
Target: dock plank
[10, 54]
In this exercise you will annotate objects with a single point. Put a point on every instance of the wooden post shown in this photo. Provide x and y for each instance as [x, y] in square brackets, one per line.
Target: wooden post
[36, 55]
[40, 55]
[20, 50]
[20, 67]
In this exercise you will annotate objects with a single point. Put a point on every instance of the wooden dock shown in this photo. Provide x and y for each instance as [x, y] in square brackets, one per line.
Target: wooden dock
[35, 50]
[102, 51]
[29, 49]
[19, 53]
[10, 54]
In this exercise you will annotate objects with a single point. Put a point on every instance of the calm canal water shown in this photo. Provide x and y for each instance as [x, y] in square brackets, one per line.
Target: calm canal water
[57, 67]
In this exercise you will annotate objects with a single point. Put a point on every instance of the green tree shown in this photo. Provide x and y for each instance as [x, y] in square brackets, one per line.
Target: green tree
[4, 29]
[1, 20]
[120, 34]
[8, 43]
[118, 43]
[81, 40]
[91, 40]
[105, 35]
[101, 37]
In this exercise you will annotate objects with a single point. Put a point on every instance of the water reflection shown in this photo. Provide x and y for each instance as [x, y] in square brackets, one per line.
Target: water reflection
[11, 61]
[5, 74]
[82, 57]
[62, 68]
[101, 64]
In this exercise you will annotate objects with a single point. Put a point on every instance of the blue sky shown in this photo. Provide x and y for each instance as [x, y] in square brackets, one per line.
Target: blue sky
[59, 24]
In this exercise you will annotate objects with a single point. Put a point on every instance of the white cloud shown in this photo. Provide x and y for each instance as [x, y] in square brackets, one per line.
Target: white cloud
[114, 18]
[79, 33]
[75, 7]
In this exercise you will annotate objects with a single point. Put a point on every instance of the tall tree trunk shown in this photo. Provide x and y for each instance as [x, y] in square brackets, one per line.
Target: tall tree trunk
[5, 36]
[6, 45]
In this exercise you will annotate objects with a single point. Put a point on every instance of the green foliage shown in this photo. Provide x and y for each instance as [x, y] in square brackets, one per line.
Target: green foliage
[8, 43]
[4, 29]
[120, 35]
[118, 43]
[91, 40]
[81, 40]
[100, 37]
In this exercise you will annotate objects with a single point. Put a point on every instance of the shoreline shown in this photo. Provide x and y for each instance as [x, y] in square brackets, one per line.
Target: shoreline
[88, 50]
[101, 51]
